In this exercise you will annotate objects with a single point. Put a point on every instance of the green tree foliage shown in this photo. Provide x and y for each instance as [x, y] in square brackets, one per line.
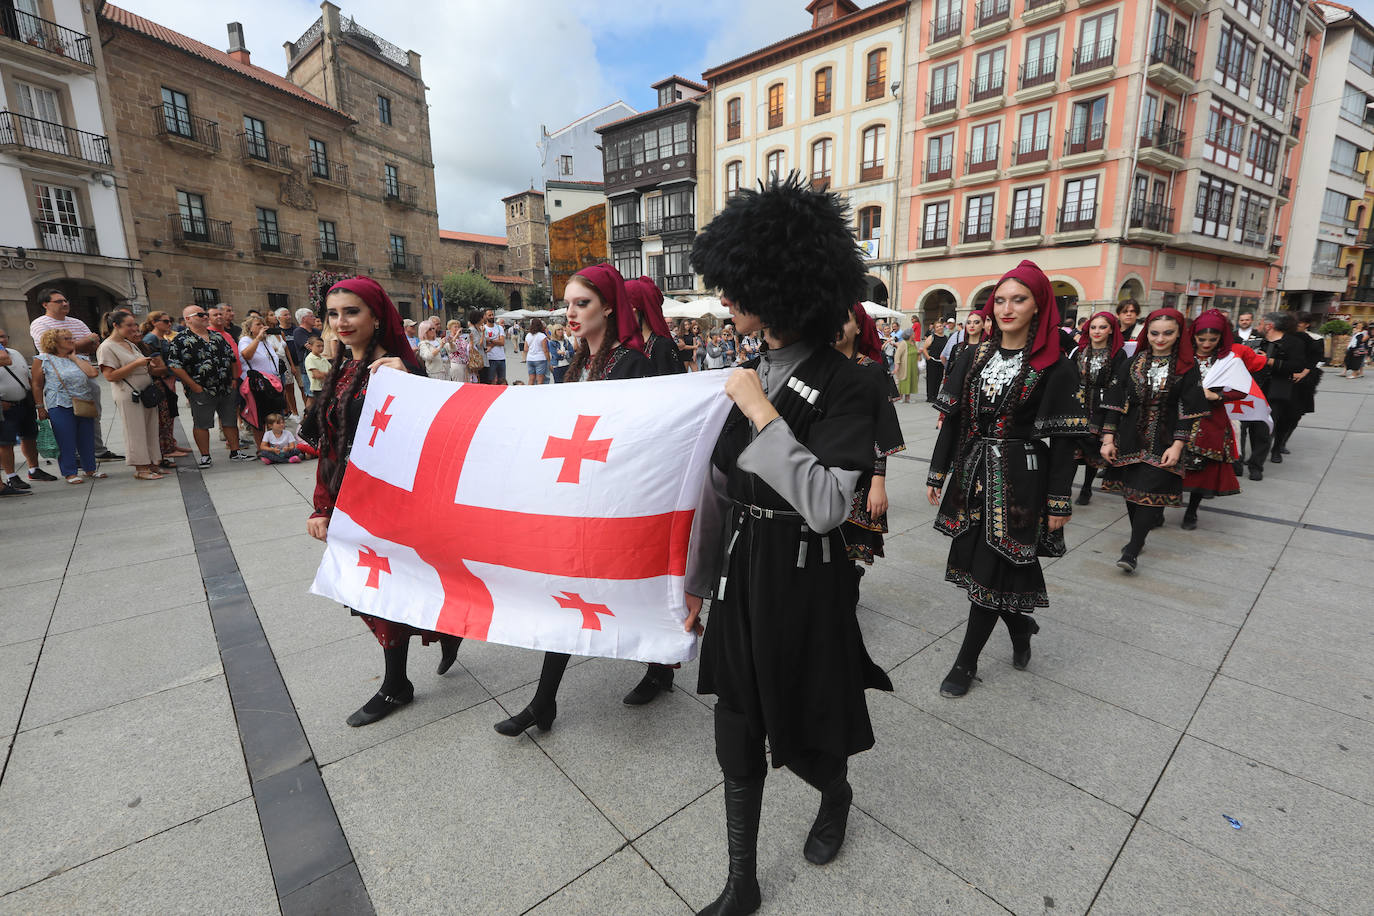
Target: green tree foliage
[537, 297]
[1336, 326]
[469, 290]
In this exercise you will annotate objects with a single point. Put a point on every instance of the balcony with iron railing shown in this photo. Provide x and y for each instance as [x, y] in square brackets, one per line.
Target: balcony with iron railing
[986, 86]
[53, 45]
[1092, 60]
[256, 150]
[991, 12]
[1286, 187]
[51, 143]
[679, 222]
[271, 243]
[678, 281]
[942, 100]
[1032, 148]
[1295, 128]
[1078, 218]
[66, 238]
[1161, 137]
[1174, 54]
[200, 231]
[950, 25]
[1085, 138]
[179, 127]
[400, 193]
[1151, 217]
[976, 229]
[334, 251]
[626, 231]
[1038, 71]
[938, 169]
[982, 159]
[323, 171]
[403, 263]
[1024, 223]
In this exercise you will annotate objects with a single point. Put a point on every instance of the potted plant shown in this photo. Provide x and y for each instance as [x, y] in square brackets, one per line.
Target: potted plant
[1337, 334]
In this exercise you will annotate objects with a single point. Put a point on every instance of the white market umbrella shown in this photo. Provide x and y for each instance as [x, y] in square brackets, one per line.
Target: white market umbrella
[674, 309]
[713, 307]
[517, 315]
[540, 313]
[559, 312]
[880, 311]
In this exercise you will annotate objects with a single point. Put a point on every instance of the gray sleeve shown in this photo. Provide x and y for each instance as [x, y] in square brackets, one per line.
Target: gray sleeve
[708, 533]
[821, 494]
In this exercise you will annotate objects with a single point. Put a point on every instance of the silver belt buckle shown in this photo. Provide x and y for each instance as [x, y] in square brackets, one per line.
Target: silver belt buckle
[756, 512]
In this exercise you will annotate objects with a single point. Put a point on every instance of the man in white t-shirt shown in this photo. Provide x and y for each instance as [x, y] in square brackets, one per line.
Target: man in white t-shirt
[55, 309]
[495, 372]
[18, 421]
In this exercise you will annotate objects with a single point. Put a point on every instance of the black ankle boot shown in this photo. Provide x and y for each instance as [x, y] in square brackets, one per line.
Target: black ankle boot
[658, 679]
[526, 717]
[1021, 641]
[1085, 496]
[449, 646]
[743, 802]
[827, 833]
[1189, 521]
[957, 682]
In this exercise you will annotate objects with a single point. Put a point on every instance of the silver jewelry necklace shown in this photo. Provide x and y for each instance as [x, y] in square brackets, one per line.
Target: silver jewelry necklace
[1158, 374]
[999, 372]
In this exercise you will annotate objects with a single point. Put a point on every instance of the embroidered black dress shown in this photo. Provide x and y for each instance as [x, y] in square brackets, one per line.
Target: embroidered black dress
[1096, 370]
[782, 643]
[663, 357]
[1002, 480]
[863, 534]
[1147, 408]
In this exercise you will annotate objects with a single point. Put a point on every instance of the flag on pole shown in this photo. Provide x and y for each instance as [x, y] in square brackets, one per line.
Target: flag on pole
[1230, 374]
[553, 518]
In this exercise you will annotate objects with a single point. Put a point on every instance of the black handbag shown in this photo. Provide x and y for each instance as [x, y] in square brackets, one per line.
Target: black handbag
[150, 396]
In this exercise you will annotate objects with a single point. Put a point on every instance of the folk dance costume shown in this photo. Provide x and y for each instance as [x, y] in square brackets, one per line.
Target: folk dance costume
[782, 649]
[1285, 356]
[1209, 456]
[621, 356]
[1151, 405]
[1002, 481]
[862, 531]
[1096, 369]
[330, 427]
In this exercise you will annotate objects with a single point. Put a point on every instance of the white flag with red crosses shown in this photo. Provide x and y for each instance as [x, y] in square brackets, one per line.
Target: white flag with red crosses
[553, 517]
[1230, 374]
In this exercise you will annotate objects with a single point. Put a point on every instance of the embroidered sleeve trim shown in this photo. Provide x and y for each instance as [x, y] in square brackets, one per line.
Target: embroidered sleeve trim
[936, 478]
[1059, 505]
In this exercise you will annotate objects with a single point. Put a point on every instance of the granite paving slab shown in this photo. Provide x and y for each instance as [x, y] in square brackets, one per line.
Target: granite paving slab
[26, 610]
[17, 663]
[117, 549]
[1302, 670]
[624, 883]
[142, 588]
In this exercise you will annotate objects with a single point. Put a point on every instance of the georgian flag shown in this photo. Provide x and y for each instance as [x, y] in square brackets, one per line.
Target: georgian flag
[552, 517]
[1230, 374]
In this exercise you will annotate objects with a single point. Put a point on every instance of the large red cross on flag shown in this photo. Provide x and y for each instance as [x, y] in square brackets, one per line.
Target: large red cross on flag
[1230, 374]
[554, 518]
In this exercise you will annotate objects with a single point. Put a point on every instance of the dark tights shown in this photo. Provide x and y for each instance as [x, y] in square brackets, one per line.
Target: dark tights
[1089, 475]
[550, 677]
[1143, 518]
[1194, 500]
[739, 750]
[981, 622]
[394, 680]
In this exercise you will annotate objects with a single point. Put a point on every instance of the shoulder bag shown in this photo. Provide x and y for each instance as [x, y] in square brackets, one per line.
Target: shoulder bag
[81, 407]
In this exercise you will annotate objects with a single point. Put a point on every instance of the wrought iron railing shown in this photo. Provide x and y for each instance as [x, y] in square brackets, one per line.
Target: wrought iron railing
[678, 281]
[171, 121]
[990, 11]
[982, 159]
[403, 263]
[336, 252]
[1175, 54]
[977, 228]
[1032, 148]
[1295, 129]
[939, 168]
[1024, 223]
[626, 231]
[938, 100]
[1286, 187]
[935, 234]
[320, 168]
[386, 49]
[1162, 136]
[681, 222]
[281, 244]
[49, 36]
[200, 230]
[1085, 137]
[257, 148]
[300, 44]
[50, 137]
[1154, 217]
[946, 26]
[1082, 216]
[1038, 71]
[399, 192]
[986, 86]
[65, 237]
[1094, 55]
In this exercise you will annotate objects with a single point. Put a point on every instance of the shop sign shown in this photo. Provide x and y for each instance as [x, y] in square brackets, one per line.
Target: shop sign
[1200, 288]
[18, 264]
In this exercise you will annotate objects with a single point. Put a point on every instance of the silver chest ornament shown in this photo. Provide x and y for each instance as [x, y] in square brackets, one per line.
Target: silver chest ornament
[998, 373]
[1158, 374]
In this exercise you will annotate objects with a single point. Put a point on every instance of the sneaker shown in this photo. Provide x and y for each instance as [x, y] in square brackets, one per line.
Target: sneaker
[241, 456]
[40, 474]
[204, 461]
[8, 490]
[18, 483]
[294, 459]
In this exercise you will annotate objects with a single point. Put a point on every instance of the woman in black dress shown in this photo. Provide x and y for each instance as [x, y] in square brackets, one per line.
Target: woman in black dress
[782, 650]
[1007, 493]
[370, 334]
[1100, 353]
[1150, 409]
[609, 347]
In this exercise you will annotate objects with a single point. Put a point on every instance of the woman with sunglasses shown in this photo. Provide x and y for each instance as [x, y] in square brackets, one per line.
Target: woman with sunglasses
[158, 334]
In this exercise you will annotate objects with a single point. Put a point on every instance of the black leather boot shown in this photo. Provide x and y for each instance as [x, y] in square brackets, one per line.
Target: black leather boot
[743, 802]
[658, 679]
[1026, 627]
[449, 652]
[827, 833]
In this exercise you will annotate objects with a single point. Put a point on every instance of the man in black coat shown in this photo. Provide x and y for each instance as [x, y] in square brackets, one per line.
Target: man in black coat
[1287, 355]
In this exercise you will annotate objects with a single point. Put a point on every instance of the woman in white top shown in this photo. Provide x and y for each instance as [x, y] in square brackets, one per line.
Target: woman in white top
[129, 372]
[537, 353]
[262, 389]
[431, 349]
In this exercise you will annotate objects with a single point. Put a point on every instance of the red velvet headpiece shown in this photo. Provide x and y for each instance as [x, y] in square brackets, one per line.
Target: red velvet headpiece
[647, 300]
[1044, 350]
[868, 343]
[1116, 342]
[608, 282]
[393, 335]
[1215, 320]
[1184, 347]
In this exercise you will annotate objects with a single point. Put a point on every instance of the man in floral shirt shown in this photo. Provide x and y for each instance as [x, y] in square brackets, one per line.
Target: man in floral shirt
[205, 364]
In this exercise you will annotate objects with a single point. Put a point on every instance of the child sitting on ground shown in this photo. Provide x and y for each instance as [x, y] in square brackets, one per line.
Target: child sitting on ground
[279, 444]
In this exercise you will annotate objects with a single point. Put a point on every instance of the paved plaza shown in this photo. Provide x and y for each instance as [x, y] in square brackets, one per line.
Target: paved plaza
[172, 705]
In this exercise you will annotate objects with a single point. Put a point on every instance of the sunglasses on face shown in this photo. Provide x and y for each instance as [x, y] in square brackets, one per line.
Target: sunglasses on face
[200, 315]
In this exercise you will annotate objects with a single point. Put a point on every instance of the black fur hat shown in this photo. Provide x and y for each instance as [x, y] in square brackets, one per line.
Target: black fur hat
[787, 254]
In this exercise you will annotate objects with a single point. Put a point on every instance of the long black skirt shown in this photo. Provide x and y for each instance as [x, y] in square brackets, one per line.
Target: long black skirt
[1145, 485]
[991, 580]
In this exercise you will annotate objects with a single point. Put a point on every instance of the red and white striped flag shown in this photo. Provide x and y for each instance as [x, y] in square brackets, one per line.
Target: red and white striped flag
[1230, 374]
[553, 517]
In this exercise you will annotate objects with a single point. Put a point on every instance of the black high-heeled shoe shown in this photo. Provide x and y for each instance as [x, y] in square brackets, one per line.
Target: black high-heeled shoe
[526, 717]
[449, 645]
[957, 682]
[379, 707]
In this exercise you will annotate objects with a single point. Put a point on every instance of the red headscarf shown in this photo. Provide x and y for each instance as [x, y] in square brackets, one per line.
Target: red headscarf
[868, 343]
[1117, 341]
[392, 335]
[1184, 347]
[1044, 350]
[1215, 320]
[608, 282]
[647, 300]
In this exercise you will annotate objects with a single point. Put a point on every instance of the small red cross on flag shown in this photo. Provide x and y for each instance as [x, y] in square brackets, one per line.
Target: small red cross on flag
[462, 505]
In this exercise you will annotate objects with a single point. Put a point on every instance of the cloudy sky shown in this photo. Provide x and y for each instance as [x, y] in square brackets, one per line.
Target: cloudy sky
[497, 70]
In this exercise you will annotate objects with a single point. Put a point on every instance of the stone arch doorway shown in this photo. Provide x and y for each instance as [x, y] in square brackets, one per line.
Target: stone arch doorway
[89, 299]
[1131, 289]
[875, 290]
[1066, 297]
[515, 299]
[937, 305]
[980, 298]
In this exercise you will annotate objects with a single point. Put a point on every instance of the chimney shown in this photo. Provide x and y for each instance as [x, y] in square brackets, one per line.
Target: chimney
[236, 49]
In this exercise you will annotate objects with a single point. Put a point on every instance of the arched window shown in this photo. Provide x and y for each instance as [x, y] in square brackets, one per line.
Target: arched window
[877, 74]
[822, 159]
[824, 86]
[732, 119]
[775, 103]
[870, 222]
[873, 142]
[772, 166]
[477, 260]
[732, 178]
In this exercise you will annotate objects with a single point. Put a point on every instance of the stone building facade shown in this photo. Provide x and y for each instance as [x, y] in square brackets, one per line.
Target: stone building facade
[488, 255]
[258, 190]
[65, 222]
[527, 234]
